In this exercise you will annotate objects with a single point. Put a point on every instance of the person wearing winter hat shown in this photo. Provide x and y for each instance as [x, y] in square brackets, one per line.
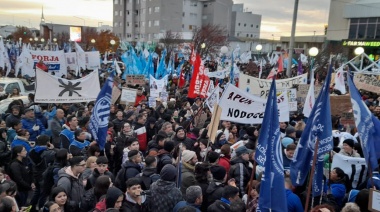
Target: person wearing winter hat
[189, 159]
[239, 168]
[164, 193]
[348, 149]
[114, 198]
[180, 137]
[220, 140]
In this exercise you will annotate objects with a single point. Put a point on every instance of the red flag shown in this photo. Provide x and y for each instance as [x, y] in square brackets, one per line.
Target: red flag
[280, 65]
[193, 56]
[182, 80]
[41, 66]
[272, 74]
[205, 86]
[196, 79]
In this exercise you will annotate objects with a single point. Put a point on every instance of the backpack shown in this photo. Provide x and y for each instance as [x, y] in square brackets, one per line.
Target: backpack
[148, 180]
[120, 180]
[48, 178]
[101, 206]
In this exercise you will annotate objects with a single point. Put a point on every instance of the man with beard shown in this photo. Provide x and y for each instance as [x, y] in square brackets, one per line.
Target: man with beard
[189, 159]
[180, 137]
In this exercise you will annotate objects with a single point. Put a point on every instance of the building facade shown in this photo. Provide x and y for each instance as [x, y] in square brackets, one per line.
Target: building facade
[244, 24]
[355, 24]
[146, 20]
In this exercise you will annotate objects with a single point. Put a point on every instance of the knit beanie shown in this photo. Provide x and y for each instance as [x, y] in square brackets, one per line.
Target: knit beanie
[187, 155]
[178, 129]
[169, 146]
[128, 114]
[349, 142]
[168, 173]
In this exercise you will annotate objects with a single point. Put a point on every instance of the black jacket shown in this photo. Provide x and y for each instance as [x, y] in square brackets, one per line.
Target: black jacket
[240, 171]
[95, 174]
[41, 157]
[163, 158]
[186, 141]
[129, 205]
[5, 154]
[218, 206]
[21, 175]
[214, 192]
[128, 170]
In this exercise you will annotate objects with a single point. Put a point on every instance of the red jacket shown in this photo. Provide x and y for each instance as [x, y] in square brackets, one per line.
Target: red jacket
[139, 99]
[225, 162]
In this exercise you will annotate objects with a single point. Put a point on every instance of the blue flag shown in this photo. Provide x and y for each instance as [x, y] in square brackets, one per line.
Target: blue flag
[318, 127]
[368, 127]
[269, 155]
[161, 69]
[100, 114]
[232, 70]
[149, 67]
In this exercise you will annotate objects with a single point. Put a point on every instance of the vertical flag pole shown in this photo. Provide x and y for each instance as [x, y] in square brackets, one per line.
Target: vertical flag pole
[250, 181]
[311, 174]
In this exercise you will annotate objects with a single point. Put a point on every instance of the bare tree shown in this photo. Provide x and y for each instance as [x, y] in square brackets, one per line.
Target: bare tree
[213, 36]
[171, 41]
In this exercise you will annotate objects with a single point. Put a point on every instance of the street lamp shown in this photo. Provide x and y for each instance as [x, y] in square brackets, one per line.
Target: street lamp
[112, 42]
[259, 47]
[203, 45]
[42, 40]
[313, 51]
[359, 51]
[30, 40]
[93, 41]
[55, 40]
[35, 39]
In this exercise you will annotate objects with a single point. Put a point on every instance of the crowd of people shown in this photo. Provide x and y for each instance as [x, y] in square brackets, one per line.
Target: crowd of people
[155, 159]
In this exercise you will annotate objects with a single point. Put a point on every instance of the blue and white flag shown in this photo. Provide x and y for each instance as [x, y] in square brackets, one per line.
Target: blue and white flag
[100, 114]
[318, 128]
[368, 127]
[269, 155]
[232, 70]
[161, 69]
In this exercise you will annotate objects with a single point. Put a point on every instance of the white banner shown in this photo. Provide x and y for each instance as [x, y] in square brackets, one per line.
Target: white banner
[55, 60]
[219, 74]
[261, 87]
[242, 107]
[355, 168]
[52, 89]
[128, 95]
[92, 60]
[157, 86]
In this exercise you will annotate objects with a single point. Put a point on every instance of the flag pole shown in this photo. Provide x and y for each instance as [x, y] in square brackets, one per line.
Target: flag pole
[253, 173]
[311, 174]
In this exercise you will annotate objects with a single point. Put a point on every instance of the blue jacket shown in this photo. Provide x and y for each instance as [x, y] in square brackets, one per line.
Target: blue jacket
[338, 190]
[11, 134]
[28, 125]
[182, 204]
[68, 134]
[376, 181]
[293, 201]
[19, 142]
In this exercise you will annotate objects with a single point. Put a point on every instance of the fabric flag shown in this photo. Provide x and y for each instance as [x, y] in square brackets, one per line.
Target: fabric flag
[149, 68]
[318, 128]
[299, 67]
[339, 81]
[272, 74]
[100, 114]
[368, 127]
[303, 58]
[310, 99]
[117, 67]
[261, 68]
[272, 192]
[232, 69]
[81, 57]
[105, 61]
[27, 64]
[280, 65]
[161, 68]
[182, 80]
[195, 82]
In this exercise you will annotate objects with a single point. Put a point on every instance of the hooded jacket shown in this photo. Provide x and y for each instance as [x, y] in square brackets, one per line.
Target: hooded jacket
[73, 186]
[214, 192]
[239, 171]
[219, 206]
[112, 195]
[186, 141]
[21, 142]
[164, 196]
[129, 205]
[188, 177]
[148, 177]
[163, 158]
[128, 170]
[95, 174]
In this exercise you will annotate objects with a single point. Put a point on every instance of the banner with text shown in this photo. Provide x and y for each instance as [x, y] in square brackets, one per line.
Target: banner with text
[157, 86]
[242, 107]
[92, 60]
[367, 82]
[261, 87]
[54, 60]
[135, 79]
[66, 91]
[341, 106]
[355, 168]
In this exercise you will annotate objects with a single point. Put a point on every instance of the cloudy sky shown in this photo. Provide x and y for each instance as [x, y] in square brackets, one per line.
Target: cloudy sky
[276, 14]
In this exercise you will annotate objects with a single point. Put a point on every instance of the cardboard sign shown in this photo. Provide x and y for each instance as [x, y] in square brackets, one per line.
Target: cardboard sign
[115, 94]
[128, 95]
[152, 102]
[292, 97]
[302, 90]
[135, 79]
[341, 106]
[374, 200]
[367, 82]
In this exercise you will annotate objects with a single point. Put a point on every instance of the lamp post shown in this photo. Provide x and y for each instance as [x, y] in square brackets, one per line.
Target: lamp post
[203, 46]
[313, 51]
[93, 44]
[30, 40]
[113, 42]
[259, 47]
[359, 52]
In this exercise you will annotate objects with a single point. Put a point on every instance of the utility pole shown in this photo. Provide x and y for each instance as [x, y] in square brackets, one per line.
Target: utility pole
[291, 45]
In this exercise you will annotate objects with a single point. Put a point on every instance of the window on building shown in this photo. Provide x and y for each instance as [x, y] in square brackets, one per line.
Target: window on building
[247, 35]
[183, 26]
[156, 9]
[136, 12]
[143, 11]
[116, 13]
[150, 10]
[251, 35]
[129, 35]
[156, 23]
[155, 36]
[377, 35]
[238, 24]
[120, 24]
[205, 5]
[127, 12]
[362, 30]
[371, 31]
[237, 34]
[193, 4]
[245, 25]
[190, 27]
[121, 13]
[183, 14]
[116, 24]
[138, 1]
[136, 24]
[252, 25]
[116, 2]
[193, 15]
[257, 26]
[142, 23]
[352, 31]
[150, 23]
[127, 24]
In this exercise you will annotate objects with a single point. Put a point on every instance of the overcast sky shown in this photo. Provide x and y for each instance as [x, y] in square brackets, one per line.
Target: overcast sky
[276, 14]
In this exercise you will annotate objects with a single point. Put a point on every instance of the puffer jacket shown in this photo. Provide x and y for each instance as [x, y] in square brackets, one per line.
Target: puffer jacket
[164, 195]
[73, 186]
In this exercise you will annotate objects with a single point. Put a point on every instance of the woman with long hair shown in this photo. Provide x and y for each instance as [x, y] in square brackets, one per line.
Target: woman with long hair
[21, 175]
[253, 197]
[92, 196]
[59, 196]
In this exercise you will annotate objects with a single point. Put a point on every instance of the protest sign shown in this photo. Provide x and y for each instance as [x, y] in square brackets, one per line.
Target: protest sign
[157, 86]
[62, 90]
[341, 106]
[152, 102]
[242, 107]
[115, 94]
[92, 61]
[355, 168]
[260, 87]
[292, 97]
[302, 90]
[54, 60]
[135, 79]
[128, 95]
[164, 96]
[367, 82]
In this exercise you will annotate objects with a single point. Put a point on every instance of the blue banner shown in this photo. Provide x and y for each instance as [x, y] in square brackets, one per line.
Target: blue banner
[368, 127]
[272, 192]
[100, 114]
[318, 128]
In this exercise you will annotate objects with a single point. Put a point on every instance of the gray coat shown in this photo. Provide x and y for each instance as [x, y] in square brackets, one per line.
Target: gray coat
[72, 185]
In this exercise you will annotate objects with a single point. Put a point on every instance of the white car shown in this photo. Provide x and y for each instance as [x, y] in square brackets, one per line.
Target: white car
[4, 103]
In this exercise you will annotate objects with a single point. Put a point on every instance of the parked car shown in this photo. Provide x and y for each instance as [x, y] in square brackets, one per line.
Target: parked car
[4, 103]
[8, 84]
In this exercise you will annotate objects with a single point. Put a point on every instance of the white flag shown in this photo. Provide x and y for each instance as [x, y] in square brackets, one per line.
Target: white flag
[303, 58]
[81, 58]
[339, 81]
[27, 63]
[261, 68]
[117, 68]
[310, 100]
[62, 90]
[105, 61]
